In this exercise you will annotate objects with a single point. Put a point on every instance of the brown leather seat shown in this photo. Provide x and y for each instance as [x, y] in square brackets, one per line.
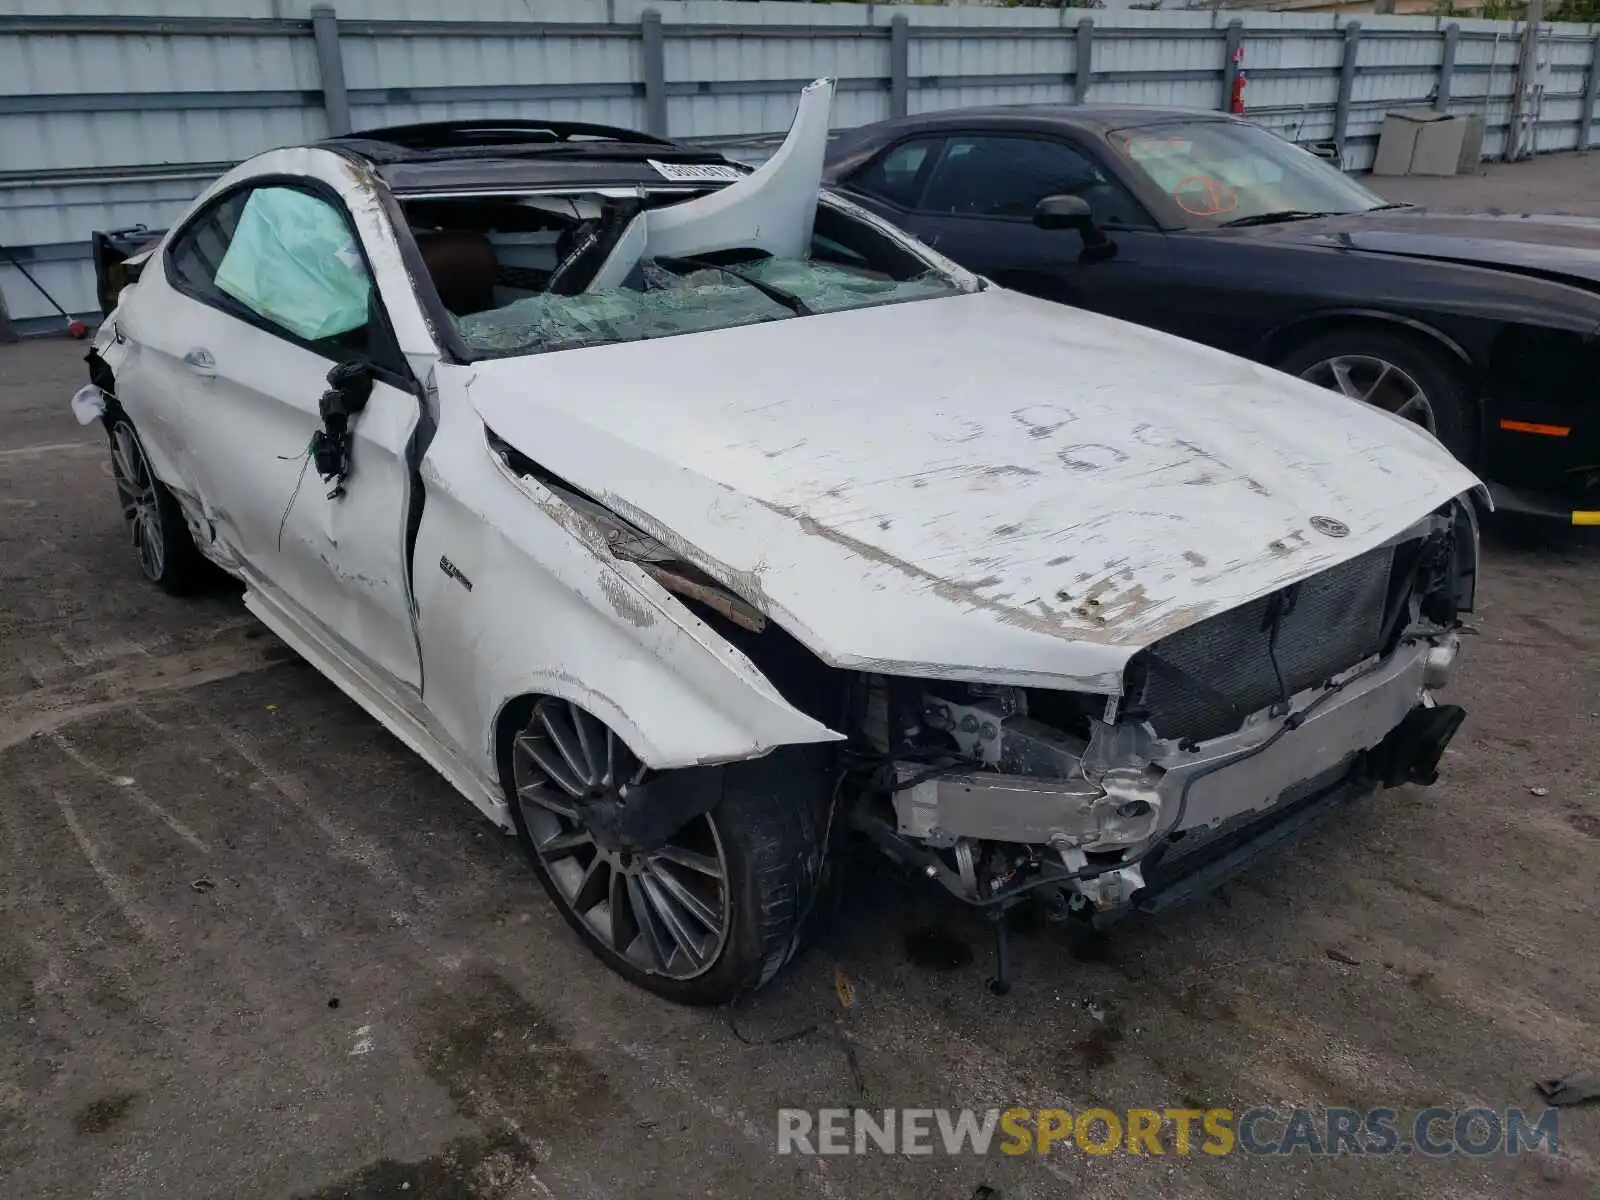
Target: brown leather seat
[461, 264]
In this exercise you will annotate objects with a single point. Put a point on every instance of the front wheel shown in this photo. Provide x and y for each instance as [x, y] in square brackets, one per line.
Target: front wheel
[1394, 372]
[713, 910]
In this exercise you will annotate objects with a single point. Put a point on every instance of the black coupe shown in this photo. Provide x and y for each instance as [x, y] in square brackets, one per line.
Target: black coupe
[1481, 328]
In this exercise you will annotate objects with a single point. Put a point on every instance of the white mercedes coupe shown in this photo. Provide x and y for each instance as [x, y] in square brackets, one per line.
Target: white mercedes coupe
[688, 518]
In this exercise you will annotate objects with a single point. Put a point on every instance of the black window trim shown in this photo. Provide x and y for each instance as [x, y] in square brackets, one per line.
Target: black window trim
[383, 346]
[938, 137]
[948, 135]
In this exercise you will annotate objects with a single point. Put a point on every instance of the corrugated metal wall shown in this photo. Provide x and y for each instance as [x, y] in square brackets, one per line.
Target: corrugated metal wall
[115, 112]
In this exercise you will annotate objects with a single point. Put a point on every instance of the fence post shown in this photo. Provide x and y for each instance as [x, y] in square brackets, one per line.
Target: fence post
[330, 68]
[1083, 61]
[653, 60]
[1230, 61]
[1347, 82]
[1591, 90]
[899, 65]
[1447, 67]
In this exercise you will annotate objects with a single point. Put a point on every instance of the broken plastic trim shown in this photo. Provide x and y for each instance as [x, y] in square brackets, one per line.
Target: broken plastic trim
[631, 544]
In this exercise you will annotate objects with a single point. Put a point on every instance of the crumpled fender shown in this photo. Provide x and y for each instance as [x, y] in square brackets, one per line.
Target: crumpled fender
[518, 595]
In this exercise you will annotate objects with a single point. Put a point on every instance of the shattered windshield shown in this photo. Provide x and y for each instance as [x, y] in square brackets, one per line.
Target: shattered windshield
[685, 297]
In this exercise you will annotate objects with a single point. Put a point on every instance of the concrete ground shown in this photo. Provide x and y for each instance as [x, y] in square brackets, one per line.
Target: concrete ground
[1568, 184]
[251, 947]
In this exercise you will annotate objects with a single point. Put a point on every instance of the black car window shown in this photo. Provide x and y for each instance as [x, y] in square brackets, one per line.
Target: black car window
[893, 176]
[281, 258]
[994, 176]
[197, 252]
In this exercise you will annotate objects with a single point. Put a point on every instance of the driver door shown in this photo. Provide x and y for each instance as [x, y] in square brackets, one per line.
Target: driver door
[256, 298]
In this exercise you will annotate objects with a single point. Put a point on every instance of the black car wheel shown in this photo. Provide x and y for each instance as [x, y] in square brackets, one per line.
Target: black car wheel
[161, 540]
[1396, 373]
[714, 910]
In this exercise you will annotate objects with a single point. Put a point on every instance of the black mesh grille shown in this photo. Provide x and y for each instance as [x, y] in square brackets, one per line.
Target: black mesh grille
[1335, 621]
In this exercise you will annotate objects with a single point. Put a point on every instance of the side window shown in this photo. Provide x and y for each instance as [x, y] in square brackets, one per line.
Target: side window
[285, 255]
[197, 252]
[894, 176]
[983, 176]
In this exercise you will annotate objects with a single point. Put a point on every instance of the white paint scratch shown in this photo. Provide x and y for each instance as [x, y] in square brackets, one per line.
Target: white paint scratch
[134, 790]
[116, 887]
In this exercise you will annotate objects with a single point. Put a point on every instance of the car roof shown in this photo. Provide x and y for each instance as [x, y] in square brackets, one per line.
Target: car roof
[1096, 119]
[1099, 117]
[490, 155]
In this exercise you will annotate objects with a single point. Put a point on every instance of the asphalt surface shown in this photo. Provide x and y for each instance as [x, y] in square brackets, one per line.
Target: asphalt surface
[250, 947]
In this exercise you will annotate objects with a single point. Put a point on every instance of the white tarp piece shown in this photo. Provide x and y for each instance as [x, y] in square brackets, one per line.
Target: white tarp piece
[88, 404]
[771, 209]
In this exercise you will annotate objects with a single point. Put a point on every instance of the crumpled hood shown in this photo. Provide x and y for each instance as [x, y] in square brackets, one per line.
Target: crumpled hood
[985, 486]
[1546, 245]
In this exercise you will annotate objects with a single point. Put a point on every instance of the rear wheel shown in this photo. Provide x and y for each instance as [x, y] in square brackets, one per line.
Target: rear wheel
[1394, 372]
[161, 540]
[710, 912]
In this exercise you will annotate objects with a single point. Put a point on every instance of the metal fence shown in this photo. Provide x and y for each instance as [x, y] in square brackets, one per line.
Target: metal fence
[117, 113]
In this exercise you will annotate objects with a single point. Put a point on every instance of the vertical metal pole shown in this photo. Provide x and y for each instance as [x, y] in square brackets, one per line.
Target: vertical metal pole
[1347, 82]
[1447, 67]
[1233, 39]
[1520, 136]
[653, 59]
[330, 67]
[1083, 61]
[1591, 91]
[899, 66]
[7, 333]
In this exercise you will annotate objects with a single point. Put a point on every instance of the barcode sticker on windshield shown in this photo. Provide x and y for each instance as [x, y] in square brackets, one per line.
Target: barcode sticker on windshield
[697, 172]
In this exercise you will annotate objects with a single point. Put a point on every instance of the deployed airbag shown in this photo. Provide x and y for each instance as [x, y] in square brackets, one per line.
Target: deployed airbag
[294, 260]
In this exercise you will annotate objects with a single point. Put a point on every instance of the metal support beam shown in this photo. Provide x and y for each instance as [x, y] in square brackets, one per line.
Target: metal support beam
[899, 66]
[7, 333]
[330, 68]
[1232, 40]
[1347, 81]
[1525, 102]
[653, 56]
[1083, 60]
[1447, 67]
[1591, 91]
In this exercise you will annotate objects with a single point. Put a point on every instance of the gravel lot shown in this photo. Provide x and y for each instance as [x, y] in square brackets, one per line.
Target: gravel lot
[251, 947]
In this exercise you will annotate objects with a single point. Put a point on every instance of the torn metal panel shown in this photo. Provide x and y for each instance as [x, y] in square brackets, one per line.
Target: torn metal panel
[921, 511]
[553, 611]
[771, 209]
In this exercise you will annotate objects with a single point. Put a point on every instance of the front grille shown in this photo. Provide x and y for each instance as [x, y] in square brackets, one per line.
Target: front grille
[1335, 621]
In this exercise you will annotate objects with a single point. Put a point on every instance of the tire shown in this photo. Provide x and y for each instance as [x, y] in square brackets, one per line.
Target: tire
[767, 826]
[1446, 395]
[161, 542]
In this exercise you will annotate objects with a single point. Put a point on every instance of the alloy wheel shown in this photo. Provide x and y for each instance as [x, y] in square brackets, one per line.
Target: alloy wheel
[666, 910]
[136, 486]
[1376, 381]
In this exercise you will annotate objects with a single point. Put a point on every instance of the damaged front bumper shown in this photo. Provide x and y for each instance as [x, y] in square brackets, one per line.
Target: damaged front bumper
[1138, 803]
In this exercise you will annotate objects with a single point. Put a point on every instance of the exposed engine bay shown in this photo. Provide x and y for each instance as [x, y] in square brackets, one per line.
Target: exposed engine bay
[1327, 684]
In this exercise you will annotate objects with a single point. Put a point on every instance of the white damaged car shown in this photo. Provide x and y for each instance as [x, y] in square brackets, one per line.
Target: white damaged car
[686, 517]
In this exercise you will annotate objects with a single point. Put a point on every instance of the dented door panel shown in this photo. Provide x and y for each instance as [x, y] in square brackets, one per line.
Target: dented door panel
[340, 558]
